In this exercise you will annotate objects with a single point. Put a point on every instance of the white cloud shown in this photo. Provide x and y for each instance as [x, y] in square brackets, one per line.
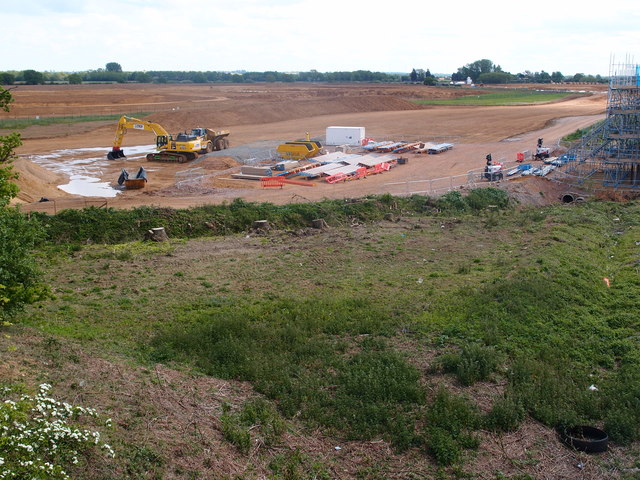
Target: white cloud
[289, 35]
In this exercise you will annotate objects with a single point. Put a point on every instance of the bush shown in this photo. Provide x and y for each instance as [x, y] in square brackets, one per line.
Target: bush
[549, 392]
[622, 426]
[443, 446]
[506, 415]
[450, 421]
[476, 200]
[20, 279]
[452, 413]
[473, 363]
[452, 202]
[40, 436]
[481, 198]
[74, 79]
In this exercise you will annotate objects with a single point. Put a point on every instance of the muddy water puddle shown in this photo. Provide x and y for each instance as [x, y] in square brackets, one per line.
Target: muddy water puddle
[85, 167]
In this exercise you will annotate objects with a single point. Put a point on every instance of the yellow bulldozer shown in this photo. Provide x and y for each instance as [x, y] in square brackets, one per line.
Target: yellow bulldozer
[182, 147]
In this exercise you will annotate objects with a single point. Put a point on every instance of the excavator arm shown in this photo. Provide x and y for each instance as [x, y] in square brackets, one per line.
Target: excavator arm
[125, 123]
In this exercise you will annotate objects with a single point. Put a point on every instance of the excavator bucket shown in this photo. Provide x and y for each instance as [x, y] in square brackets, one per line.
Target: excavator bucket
[115, 154]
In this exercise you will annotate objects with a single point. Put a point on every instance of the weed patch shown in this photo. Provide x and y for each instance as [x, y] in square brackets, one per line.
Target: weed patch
[292, 354]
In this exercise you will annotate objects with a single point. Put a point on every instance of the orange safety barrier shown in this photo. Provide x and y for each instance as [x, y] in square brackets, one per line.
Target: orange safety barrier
[271, 182]
[381, 167]
[298, 182]
[360, 173]
[336, 178]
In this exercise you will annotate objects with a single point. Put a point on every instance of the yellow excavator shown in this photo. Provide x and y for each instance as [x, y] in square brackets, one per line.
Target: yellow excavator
[182, 147]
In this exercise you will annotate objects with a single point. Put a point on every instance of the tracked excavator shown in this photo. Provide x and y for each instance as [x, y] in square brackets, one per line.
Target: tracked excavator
[182, 147]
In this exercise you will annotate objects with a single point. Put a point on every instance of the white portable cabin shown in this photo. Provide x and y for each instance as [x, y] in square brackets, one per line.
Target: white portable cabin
[345, 135]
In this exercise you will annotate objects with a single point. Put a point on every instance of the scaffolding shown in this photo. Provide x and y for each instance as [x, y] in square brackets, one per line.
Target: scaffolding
[609, 154]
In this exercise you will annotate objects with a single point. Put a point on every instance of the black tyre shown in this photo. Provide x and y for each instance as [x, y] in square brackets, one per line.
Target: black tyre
[585, 439]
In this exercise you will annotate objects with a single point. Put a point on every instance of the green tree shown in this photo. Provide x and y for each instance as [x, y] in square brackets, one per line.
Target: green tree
[7, 78]
[543, 77]
[557, 77]
[140, 77]
[31, 77]
[19, 277]
[429, 79]
[198, 77]
[8, 143]
[495, 77]
[475, 69]
[413, 75]
[75, 79]
[113, 67]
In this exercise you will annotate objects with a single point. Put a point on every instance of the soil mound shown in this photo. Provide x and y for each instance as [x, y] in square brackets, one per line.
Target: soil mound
[269, 111]
[36, 182]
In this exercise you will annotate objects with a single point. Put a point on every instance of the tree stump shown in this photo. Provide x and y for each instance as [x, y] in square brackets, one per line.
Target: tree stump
[157, 235]
[319, 223]
[261, 225]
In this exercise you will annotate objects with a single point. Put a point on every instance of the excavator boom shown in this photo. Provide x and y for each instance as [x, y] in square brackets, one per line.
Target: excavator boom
[125, 123]
[182, 147]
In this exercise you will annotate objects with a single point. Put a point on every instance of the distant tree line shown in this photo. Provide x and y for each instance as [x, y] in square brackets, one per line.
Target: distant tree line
[485, 71]
[114, 73]
[481, 71]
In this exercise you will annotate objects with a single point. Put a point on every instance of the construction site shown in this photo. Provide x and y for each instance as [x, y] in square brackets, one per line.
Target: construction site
[399, 146]
[315, 286]
[608, 156]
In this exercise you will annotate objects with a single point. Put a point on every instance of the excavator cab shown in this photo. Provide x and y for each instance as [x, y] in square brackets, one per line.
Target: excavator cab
[161, 141]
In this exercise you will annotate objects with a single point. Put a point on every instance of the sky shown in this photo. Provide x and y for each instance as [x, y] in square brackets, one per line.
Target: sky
[326, 35]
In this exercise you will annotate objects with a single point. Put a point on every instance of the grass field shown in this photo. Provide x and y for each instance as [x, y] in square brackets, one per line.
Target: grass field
[488, 97]
[22, 123]
[374, 329]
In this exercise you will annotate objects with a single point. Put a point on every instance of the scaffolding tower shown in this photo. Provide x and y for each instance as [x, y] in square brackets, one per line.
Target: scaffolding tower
[610, 154]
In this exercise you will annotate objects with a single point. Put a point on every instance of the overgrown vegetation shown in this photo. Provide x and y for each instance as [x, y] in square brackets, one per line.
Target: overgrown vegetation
[579, 133]
[257, 416]
[98, 225]
[357, 331]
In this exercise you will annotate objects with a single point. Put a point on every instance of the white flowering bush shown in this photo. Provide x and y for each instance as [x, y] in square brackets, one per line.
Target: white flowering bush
[38, 439]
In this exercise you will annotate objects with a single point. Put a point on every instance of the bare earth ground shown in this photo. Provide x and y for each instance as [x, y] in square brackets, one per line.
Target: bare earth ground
[280, 112]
